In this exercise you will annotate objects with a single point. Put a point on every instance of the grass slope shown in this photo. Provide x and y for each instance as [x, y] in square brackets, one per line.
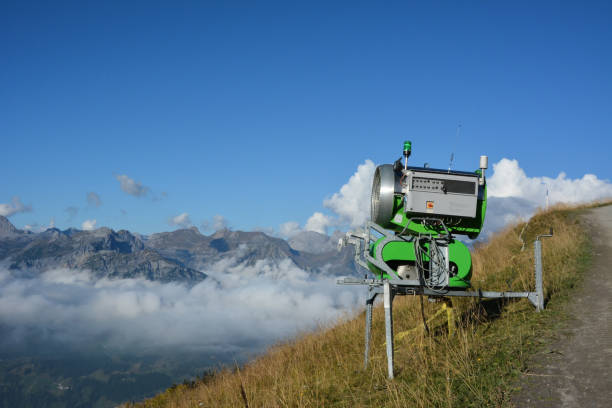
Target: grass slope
[476, 366]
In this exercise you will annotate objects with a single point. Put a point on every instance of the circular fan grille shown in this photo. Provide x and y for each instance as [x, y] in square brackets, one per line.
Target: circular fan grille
[383, 189]
[375, 198]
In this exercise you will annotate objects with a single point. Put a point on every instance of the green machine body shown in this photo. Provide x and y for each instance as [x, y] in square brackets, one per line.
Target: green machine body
[425, 209]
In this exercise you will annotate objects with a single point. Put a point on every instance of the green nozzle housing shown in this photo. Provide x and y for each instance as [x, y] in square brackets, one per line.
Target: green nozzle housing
[407, 148]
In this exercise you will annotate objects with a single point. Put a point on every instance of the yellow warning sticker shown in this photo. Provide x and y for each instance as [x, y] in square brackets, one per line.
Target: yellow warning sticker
[430, 206]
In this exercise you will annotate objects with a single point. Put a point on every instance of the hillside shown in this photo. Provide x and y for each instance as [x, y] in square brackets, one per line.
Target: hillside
[476, 366]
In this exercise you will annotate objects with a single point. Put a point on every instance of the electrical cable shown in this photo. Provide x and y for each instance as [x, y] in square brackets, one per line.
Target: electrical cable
[434, 282]
[423, 314]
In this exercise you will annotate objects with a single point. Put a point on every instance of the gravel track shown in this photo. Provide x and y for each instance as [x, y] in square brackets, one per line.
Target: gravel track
[576, 370]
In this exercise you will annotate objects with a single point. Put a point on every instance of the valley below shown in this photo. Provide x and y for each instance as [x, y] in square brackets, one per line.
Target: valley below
[96, 318]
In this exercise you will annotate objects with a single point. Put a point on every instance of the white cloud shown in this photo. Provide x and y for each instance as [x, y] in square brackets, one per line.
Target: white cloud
[94, 199]
[318, 222]
[289, 229]
[514, 196]
[352, 202]
[88, 225]
[15, 207]
[217, 223]
[510, 180]
[181, 220]
[350, 206]
[240, 309]
[131, 186]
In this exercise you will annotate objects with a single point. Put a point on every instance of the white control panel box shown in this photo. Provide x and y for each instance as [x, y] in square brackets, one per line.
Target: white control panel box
[439, 193]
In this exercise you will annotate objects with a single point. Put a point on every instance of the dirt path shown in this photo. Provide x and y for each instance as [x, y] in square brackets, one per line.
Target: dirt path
[577, 369]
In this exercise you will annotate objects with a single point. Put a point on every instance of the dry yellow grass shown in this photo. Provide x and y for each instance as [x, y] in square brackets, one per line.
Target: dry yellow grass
[474, 367]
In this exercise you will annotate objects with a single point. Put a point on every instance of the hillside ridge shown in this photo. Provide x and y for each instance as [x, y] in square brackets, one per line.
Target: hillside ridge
[476, 366]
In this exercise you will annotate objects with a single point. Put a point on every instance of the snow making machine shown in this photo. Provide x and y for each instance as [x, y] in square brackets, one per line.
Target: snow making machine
[416, 214]
[410, 245]
[418, 211]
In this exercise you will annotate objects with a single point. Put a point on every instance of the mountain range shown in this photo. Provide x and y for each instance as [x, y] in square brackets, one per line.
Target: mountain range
[182, 255]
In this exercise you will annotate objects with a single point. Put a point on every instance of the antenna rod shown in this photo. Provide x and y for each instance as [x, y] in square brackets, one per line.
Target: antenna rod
[452, 158]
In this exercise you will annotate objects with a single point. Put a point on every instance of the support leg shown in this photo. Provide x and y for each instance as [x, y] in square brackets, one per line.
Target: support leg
[450, 316]
[539, 286]
[388, 303]
[368, 326]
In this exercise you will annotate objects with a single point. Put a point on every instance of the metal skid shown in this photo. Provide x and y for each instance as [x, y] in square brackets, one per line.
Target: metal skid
[390, 288]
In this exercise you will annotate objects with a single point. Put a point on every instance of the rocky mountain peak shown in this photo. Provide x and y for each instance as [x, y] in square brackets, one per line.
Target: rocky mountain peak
[311, 241]
[222, 233]
[105, 239]
[167, 256]
[6, 228]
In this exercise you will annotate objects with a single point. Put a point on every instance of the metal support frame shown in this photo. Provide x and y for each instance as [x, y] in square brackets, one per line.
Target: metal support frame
[372, 292]
[388, 295]
[389, 288]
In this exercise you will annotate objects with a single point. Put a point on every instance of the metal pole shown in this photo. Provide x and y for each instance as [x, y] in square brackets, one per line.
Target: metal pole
[388, 303]
[539, 286]
[368, 328]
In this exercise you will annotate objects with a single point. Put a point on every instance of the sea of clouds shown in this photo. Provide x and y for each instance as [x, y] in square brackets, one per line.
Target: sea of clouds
[239, 309]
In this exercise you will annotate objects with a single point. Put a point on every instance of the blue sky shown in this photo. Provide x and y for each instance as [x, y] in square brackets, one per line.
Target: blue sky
[258, 112]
